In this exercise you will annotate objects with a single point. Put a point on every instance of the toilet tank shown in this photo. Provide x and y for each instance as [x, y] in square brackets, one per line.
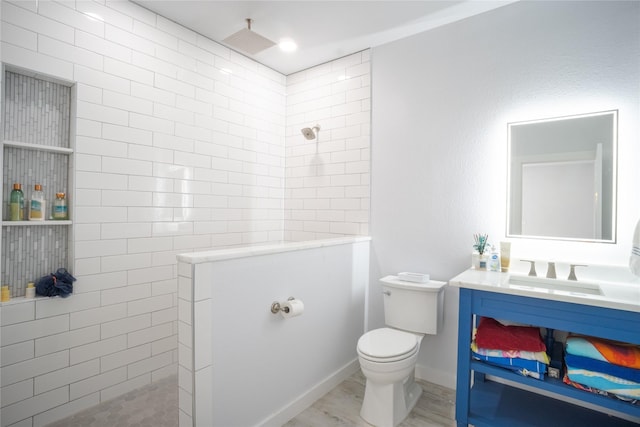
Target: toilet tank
[413, 307]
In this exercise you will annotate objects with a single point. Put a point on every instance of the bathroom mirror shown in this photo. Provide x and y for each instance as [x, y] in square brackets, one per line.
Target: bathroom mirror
[562, 178]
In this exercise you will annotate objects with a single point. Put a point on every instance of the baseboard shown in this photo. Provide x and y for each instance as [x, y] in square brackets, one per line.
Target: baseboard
[283, 415]
[437, 377]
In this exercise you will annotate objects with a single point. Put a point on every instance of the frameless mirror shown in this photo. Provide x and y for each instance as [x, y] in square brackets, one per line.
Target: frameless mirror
[562, 178]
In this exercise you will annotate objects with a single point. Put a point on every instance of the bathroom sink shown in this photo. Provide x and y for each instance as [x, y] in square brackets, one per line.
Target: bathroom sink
[542, 284]
[606, 286]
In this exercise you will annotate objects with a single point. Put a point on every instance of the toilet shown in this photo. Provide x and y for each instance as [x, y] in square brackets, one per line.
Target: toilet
[388, 355]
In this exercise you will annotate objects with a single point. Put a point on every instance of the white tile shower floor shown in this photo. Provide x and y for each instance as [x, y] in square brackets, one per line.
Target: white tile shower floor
[156, 405]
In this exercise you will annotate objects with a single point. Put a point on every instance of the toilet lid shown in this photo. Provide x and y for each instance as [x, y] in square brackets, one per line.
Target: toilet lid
[386, 343]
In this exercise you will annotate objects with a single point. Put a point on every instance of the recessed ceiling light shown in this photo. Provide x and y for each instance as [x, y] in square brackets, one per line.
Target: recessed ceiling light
[287, 45]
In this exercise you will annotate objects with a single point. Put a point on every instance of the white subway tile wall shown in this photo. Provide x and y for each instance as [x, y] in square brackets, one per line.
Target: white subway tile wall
[327, 178]
[186, 354]
[171, 156]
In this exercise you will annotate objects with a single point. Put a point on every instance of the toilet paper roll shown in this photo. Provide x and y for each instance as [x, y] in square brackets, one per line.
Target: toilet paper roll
[295, 308]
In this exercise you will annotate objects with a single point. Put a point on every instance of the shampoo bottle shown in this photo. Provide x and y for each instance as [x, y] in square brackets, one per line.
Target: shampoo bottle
[30, 292]
[59, 209]
[37, 204]
[16, 203]
[5, 293]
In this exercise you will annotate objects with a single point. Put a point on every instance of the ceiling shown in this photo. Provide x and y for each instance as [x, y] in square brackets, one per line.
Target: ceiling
[323, 30]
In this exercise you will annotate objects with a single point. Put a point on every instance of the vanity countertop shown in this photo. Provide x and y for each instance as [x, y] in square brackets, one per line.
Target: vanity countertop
[599, 293]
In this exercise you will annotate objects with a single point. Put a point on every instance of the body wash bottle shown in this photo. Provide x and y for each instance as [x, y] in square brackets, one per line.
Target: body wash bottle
[37, 204]
[16, 203]
[59, 209]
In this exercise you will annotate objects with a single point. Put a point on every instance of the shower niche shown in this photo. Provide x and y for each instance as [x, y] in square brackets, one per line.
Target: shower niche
[36, 149]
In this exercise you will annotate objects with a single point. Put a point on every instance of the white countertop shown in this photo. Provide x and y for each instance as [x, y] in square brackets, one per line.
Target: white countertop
[599, 293]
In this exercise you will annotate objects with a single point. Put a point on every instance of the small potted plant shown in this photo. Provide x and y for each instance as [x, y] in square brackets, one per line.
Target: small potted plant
[480, 255]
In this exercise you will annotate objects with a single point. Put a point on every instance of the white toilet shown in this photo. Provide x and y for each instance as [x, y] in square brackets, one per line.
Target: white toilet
[388, 355]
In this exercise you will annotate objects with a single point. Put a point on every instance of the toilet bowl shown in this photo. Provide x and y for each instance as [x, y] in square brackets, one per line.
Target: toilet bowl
[388, 355]
[388, 359]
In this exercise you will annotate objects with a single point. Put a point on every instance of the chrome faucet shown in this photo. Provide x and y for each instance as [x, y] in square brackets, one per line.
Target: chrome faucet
[572, 271]
[551, 270]
[532, 269]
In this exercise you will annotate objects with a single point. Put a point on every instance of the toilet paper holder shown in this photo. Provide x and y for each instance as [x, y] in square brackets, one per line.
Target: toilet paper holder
[276, 307]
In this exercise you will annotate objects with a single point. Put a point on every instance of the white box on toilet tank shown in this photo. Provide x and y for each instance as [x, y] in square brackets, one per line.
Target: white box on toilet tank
[410, 306]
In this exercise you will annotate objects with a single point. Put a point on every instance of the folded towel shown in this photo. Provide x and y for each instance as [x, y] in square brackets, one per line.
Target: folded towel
[618, 353]
[529, 368]
[604, 382]
[540, 356]
[568, 381]
[581, 362]
[493, 334]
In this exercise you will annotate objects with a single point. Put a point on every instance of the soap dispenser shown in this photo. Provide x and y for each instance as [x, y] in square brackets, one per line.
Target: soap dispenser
[494, 259]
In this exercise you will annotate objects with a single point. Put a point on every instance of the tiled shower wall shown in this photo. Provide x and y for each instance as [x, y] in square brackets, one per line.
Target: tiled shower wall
[327, 179]
[37, 112]
[180, 146]
[30, 252]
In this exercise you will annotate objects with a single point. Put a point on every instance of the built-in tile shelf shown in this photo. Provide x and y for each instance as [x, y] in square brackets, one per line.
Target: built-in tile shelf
[24, 300]
[36, 143]
[37, 223]
[38, 147]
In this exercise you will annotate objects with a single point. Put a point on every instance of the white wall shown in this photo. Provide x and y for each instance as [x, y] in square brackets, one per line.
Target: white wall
[441, 103]
[280, 366]
[173, 154]
[327, 179]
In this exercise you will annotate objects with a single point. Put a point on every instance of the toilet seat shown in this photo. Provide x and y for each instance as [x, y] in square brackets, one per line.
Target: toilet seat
[387, 345]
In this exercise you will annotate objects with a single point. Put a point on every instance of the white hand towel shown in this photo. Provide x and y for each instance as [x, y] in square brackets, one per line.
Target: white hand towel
[634, 260]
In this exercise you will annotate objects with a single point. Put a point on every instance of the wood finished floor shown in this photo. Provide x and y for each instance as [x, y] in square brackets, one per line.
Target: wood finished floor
[341, 407]
[156, 405]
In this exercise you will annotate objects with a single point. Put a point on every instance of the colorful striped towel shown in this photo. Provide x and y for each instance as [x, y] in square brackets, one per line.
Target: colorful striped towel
[540, 356]
[525, 367]
[604, 382]
[618, 353]
[595, 365]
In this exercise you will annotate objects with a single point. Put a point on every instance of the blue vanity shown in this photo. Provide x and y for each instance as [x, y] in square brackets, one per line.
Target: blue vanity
[607, 310]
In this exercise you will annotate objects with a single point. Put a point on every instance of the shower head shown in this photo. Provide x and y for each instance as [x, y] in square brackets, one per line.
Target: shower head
[248, 40]
[309, 132]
